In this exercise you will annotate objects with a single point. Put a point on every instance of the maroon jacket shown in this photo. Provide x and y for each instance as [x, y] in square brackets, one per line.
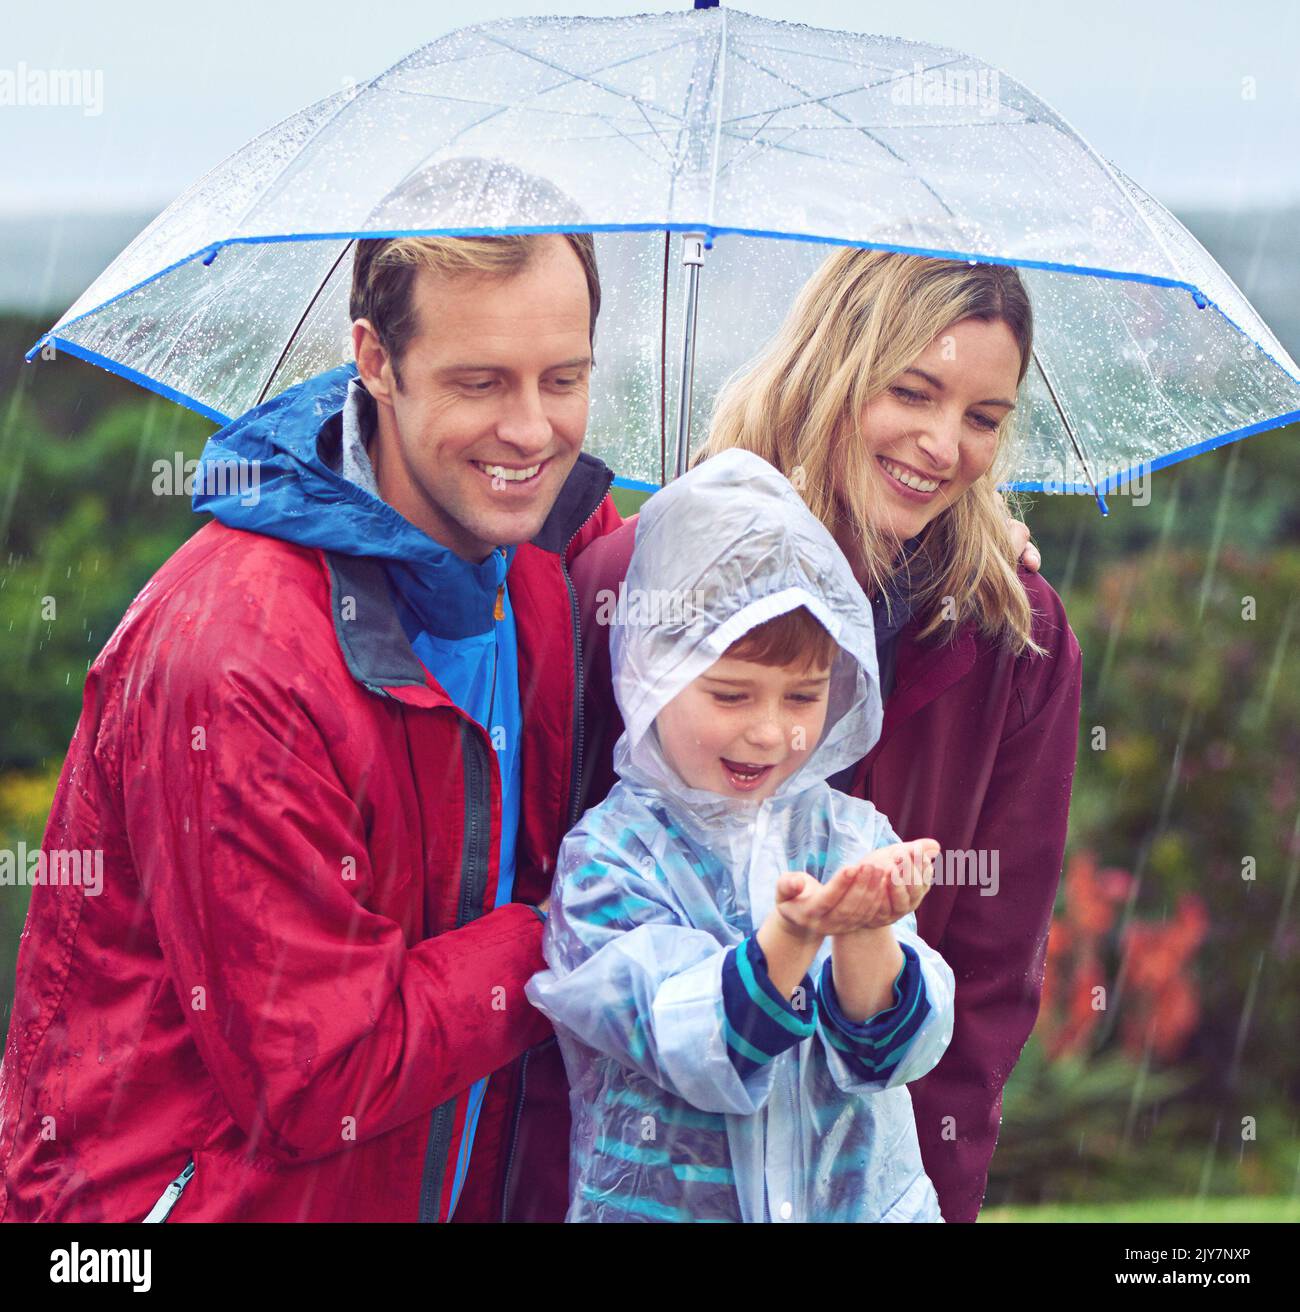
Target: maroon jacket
[977, 750]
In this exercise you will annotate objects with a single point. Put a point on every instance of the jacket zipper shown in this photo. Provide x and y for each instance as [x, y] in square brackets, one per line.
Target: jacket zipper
[514, 1131]
[161, 1210]
[473, 881]
[475, 863]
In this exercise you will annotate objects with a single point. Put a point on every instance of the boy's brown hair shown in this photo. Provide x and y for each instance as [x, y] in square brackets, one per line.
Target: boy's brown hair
[784, 640]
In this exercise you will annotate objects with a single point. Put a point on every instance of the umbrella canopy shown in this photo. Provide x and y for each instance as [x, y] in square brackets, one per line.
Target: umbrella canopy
[773, 140]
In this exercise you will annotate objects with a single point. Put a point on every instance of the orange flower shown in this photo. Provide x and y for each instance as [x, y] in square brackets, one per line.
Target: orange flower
[1162, 1008]
[1161, 1004]
[1091, 896]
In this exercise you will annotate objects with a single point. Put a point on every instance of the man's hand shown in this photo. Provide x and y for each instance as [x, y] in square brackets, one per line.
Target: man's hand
[879, 890]
[1025, 550]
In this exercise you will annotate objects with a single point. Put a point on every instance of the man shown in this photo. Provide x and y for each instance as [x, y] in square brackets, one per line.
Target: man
[328, 756]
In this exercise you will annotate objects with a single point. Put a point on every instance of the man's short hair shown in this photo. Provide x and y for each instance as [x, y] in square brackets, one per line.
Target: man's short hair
[384, 271]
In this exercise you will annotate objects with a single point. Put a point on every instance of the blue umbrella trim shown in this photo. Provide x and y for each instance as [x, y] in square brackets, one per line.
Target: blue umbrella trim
[209, 254]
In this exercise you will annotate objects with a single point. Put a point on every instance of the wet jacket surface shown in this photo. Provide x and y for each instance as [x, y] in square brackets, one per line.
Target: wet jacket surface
[698, 1092]
[294, 816]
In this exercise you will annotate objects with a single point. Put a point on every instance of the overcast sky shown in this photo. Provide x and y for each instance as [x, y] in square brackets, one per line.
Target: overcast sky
[1197, 99]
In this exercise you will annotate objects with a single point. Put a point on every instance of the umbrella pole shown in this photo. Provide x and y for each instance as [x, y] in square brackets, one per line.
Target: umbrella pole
[692, 262]
[1073, 436]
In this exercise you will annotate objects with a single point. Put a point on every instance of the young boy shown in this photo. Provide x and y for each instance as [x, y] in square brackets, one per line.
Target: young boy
[735, 975]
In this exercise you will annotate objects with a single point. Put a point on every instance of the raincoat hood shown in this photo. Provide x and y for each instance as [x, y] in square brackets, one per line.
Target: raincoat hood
[723, 549]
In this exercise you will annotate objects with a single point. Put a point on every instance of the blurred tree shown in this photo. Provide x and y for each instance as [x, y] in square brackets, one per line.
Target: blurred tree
[81, 533]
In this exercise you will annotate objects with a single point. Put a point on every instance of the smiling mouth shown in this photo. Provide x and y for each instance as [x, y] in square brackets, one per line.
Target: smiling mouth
[909, 478]
[502, 475]
[745, 777]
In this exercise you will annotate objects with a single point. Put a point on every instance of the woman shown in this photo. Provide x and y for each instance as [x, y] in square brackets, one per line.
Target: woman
[888, 399]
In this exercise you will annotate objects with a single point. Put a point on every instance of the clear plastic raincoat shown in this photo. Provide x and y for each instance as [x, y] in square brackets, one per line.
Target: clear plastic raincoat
[660, 889]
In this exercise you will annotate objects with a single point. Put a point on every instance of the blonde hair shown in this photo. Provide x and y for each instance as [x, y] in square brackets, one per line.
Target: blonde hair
[384, 269]
[856, 325]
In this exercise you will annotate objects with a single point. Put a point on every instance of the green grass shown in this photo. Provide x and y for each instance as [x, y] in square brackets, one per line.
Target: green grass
[628, 500]
[1156, 1209]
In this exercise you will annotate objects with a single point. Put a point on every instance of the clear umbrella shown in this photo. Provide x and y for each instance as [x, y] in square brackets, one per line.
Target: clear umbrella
[764, 142]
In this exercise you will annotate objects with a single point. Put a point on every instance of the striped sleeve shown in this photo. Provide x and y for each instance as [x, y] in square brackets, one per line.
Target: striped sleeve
[760, 1023]
[873, 1048]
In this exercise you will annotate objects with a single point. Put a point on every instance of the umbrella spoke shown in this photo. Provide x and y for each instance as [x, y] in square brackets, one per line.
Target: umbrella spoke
[558, 113]
[297, 328]
[809, 99]
[825, 56]
[653, 128]
[630, 138]
[871, 136]
[585, 77]
[749, 140]
[840, 163]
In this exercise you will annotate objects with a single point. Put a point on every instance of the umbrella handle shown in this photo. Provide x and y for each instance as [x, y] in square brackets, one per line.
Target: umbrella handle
[692, 262]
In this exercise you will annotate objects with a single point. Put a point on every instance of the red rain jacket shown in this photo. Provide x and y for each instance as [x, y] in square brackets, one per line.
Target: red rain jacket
[292, 974]
[977, 750]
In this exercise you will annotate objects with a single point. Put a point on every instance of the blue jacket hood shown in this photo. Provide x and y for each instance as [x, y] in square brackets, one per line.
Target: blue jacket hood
[264, 473]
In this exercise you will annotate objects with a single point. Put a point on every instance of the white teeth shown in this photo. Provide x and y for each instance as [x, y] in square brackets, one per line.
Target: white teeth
[909, 479]
[509, 475]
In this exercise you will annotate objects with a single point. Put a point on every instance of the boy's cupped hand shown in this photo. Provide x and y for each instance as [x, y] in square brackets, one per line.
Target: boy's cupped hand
[880, 889]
